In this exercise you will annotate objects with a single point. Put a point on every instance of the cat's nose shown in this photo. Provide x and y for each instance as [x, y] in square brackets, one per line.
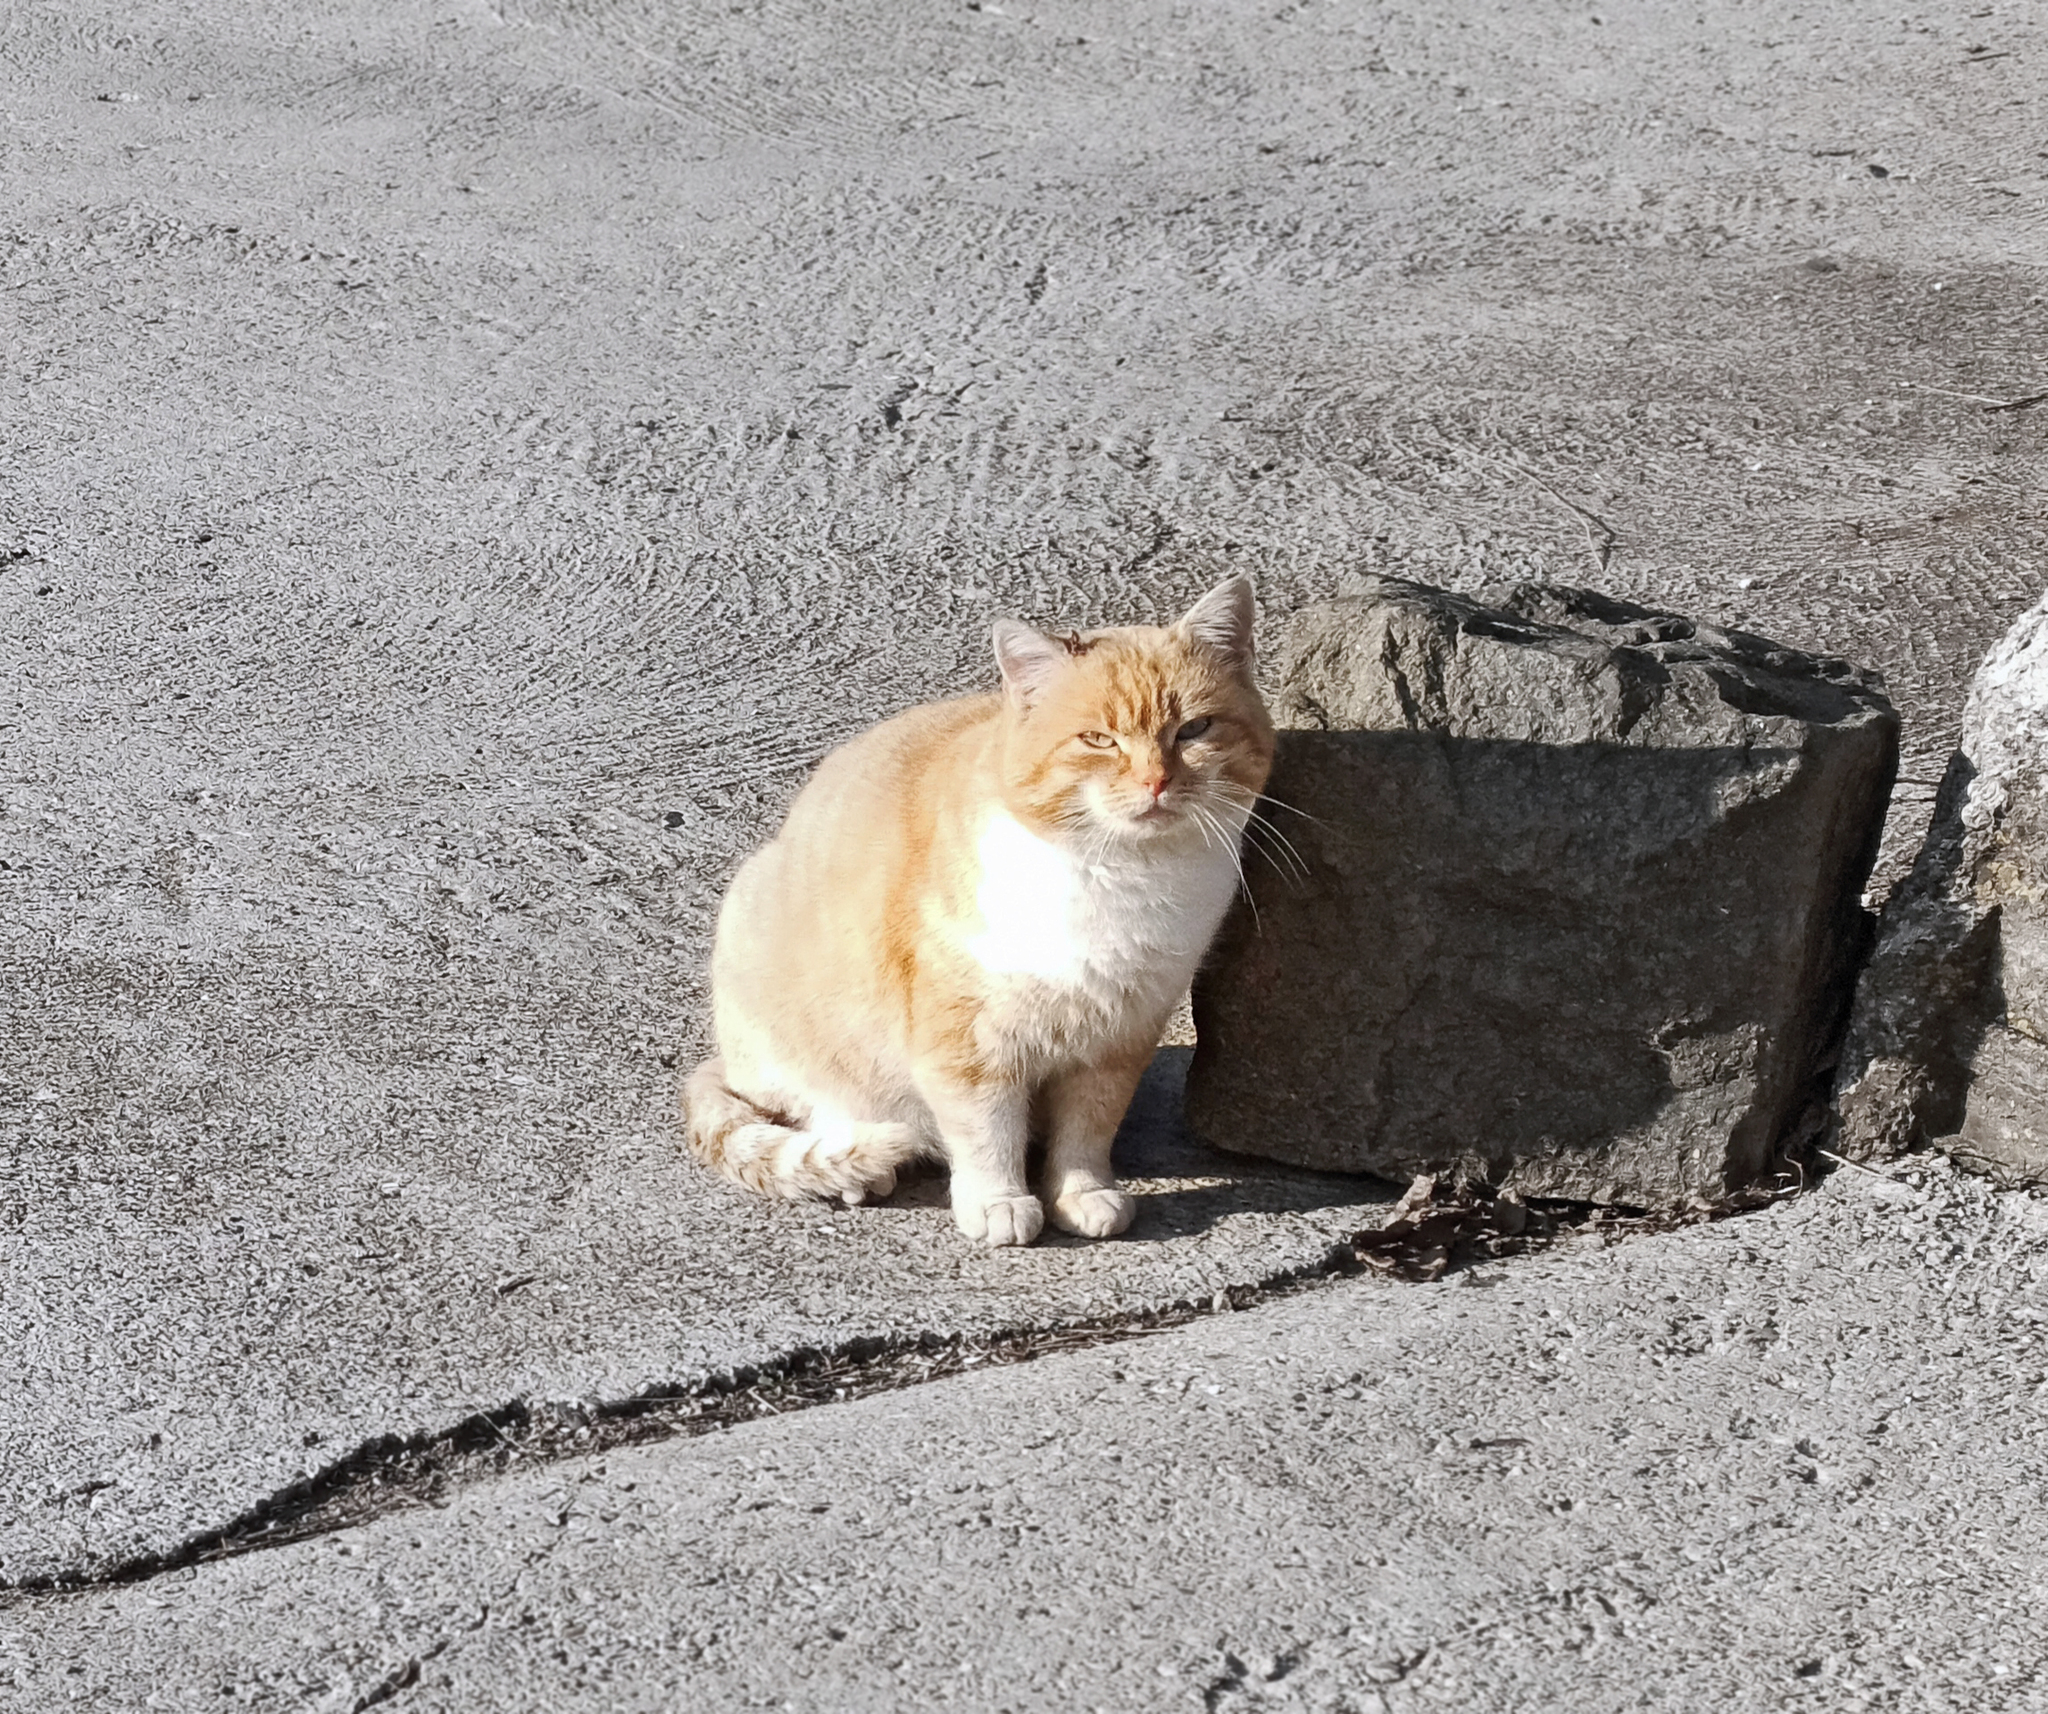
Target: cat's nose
[1155, 784]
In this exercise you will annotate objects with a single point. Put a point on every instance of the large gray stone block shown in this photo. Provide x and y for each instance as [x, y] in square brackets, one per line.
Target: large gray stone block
[1948, 1041]
[1580, 914]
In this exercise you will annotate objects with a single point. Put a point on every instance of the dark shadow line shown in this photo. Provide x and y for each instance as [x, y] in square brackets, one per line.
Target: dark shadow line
[399, 1473]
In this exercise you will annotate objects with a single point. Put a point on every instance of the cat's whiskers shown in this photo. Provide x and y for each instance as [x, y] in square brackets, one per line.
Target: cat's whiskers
[1207, 819]
[1260, 830]
[1278, 847]
[1277, 803]
[1212, 823]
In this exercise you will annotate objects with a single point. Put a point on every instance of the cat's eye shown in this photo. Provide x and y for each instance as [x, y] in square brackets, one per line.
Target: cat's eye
[1193, 730]
[1098, 740]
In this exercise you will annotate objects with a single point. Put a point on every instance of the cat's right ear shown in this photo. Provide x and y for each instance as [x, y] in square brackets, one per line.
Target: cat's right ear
[1222, 621]
[1028, 660]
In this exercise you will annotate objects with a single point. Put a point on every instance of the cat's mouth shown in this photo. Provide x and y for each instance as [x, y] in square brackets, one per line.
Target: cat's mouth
[1135, 817]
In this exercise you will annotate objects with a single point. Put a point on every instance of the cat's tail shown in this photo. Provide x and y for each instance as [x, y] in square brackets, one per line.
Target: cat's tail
[854, 1161]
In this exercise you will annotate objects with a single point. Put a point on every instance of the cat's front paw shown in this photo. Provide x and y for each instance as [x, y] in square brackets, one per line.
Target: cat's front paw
[998, 1221]
[1098, 1212]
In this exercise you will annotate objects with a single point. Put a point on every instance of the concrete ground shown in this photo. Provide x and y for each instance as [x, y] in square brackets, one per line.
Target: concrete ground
[1708, 1469]
[463, 464]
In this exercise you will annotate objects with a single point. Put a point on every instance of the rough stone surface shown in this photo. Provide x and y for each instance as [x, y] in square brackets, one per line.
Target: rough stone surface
[1949, 1037]
[1576, 907]
[1714, 1469]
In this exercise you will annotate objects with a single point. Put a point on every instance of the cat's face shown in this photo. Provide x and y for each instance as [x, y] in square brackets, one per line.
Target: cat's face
[1140, 734]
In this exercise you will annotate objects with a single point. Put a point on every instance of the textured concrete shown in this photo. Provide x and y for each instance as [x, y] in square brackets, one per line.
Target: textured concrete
[242, 1333]
[464, 462]
[1710, 1470]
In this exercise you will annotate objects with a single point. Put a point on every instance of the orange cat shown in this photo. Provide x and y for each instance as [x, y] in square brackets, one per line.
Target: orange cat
[976, 920]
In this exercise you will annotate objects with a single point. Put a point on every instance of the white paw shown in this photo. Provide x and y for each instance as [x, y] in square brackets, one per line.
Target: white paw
[1094, 1213]
[876, 1189]
[1000, 1220]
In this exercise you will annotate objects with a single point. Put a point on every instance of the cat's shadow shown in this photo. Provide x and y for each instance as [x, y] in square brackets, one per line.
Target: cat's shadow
[1185, 1188]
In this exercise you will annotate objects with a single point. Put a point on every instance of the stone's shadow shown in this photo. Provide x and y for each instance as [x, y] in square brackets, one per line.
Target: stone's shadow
[1571, 960]
[1184, 1187]
[1931, 994]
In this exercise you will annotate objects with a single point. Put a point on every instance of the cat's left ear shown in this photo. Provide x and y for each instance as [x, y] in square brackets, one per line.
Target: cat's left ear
[1028, 658]
[1222, 621]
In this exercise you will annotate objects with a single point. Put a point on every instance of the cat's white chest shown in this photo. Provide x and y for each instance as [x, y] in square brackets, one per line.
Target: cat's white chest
[1129, 925]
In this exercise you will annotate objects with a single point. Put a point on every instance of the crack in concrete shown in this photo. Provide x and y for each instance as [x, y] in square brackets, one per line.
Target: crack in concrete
[393, 1473]
[400, 1679]
[406, 1674]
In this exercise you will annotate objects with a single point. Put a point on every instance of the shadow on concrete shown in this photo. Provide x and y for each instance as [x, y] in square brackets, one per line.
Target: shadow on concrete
[1184, 1187]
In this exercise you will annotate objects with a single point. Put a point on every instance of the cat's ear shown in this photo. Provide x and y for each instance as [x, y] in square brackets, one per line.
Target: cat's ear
[1028, 659]
[1222, 621]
